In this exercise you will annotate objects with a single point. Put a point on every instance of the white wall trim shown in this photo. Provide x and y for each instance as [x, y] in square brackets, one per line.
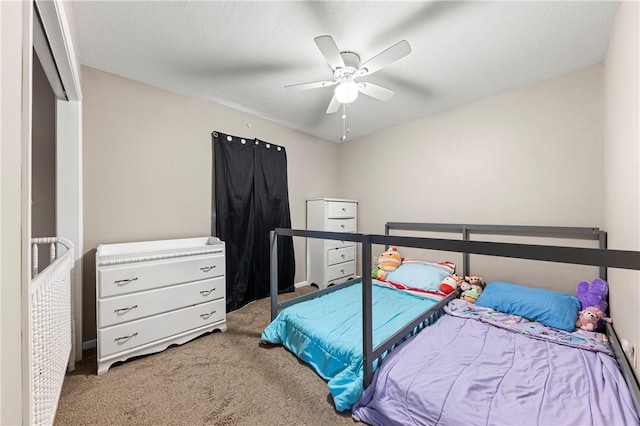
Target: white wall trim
[69, 216]
[56, 27]
[26, 141]
[41, 47]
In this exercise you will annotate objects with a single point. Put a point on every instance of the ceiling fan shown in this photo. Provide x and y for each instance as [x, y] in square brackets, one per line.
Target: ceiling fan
[347, 70]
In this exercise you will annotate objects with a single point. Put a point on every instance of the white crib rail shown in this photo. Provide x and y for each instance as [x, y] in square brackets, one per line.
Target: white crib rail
[51, 330]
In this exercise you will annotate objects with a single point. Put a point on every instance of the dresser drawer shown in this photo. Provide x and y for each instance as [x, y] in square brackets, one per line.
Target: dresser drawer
[339, 209]
[340, 225]
[124, 279]
[129, 335]
[119, 309]
[334, 244]
[341, 255]
[340, 270]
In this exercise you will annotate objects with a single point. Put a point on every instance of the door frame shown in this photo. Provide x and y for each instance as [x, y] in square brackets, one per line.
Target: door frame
[59, 60]
[69, 218]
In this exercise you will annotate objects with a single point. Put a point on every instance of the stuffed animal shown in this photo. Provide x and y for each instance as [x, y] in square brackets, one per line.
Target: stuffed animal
[450, 283]
[471, 295]
[475, 282]
[379, 274]
[464, 286]
[593, 294]
[588, 318]
[389, 260]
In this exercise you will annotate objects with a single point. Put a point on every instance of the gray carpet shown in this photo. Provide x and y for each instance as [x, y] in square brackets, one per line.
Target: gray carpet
[216, 379]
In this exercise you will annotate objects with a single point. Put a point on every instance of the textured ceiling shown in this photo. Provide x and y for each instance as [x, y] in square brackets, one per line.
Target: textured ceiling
[242, 54]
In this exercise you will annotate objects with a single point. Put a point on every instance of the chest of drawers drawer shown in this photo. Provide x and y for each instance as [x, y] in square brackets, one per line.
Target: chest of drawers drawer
[131, 334]
[341, 209]
[129, 307]
[340, 225]
[123, 279]
[341, 270]
[340, 255]
[335, 244]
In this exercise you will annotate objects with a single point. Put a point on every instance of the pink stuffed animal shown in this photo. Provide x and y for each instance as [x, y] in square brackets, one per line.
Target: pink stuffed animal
[588, 318]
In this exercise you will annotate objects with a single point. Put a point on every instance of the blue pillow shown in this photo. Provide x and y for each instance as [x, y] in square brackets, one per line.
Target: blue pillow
[418, 275]
[551, 308]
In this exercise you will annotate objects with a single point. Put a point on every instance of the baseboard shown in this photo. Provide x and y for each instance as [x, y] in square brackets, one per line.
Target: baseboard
[301, 284]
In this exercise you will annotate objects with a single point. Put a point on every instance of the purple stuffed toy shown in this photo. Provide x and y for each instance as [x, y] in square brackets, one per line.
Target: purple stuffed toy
[593, 294]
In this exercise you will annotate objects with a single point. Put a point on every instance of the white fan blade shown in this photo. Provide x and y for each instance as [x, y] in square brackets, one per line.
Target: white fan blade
[334, 105]
[384, 58]
[313, 85]
[330, 51]
[375, 91]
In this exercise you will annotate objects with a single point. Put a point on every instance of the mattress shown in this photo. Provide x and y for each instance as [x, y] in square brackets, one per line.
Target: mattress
[473, 367]
[326, 332]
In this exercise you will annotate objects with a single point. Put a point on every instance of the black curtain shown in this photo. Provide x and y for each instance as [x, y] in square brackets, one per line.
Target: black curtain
[251, 199]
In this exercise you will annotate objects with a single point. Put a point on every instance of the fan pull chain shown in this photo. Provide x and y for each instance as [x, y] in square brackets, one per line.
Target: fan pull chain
[345, 125]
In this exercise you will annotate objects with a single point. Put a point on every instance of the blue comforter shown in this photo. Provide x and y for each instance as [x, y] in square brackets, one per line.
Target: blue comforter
[326, 333]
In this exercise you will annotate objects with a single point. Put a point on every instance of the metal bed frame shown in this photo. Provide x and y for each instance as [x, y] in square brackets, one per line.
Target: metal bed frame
[601, 257]
[541, 231]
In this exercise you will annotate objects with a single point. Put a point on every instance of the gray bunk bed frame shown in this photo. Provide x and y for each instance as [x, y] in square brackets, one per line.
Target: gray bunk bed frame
[601, 257]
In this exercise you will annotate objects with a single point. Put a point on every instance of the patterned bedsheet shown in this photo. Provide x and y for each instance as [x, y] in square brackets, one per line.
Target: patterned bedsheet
[578, 339]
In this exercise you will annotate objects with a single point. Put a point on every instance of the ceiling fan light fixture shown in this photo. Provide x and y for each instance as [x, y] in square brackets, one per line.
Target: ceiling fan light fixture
[347, 92]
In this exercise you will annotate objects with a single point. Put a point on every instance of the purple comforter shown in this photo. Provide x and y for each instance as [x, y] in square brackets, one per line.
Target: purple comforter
[462, 371]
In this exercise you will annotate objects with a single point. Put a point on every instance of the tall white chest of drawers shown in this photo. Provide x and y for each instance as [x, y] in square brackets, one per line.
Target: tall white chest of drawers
[154, 294]
[329, 261]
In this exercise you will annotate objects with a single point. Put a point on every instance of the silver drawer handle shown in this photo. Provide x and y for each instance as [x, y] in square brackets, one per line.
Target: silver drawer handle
[344, 209]
[206, 316]
[342, 271]
[124, 310]
[207, 292]
[125, 338]
[343, 256]
[342, 226]
[207, 268]
[123, 282]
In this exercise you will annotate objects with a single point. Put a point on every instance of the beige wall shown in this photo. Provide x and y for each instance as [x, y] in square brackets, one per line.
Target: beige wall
[531, 156]
[148, 167]
[622, 163]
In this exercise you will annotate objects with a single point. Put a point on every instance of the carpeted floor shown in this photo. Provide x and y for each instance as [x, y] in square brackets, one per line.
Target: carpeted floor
[216, 379]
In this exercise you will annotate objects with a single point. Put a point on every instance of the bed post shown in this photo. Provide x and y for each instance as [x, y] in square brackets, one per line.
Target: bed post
[367, 333]
[387, 231]
[465, 255]
[602, 243]
[274, 274]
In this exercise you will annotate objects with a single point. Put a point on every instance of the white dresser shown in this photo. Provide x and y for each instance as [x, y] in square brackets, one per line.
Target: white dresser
[154, 294]
[329, 261]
